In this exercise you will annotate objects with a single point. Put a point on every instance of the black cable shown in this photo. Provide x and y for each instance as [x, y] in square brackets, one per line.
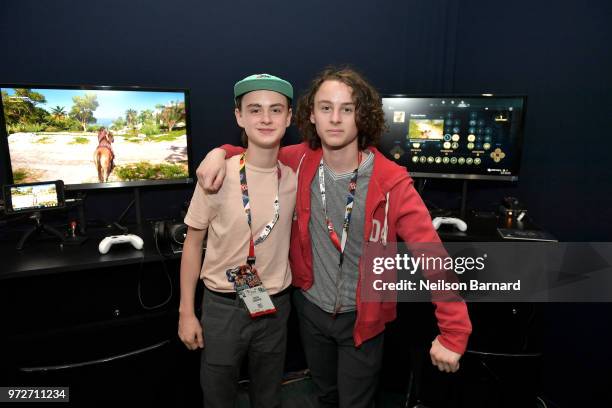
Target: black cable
[120, 227]
[159, 251]
[117, 223]
[547, 400]
[484, 353]
[491, 372]
[170, 286]
[163, 262]
[541, 400]
[421, 186]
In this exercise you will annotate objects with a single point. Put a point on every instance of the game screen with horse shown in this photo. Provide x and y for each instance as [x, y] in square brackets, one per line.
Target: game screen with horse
[96, 136]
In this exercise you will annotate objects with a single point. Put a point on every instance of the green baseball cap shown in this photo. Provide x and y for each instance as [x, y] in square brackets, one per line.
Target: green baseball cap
[260, 82]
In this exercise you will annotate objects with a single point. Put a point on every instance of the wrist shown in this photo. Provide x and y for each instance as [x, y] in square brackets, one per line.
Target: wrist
[186, 311]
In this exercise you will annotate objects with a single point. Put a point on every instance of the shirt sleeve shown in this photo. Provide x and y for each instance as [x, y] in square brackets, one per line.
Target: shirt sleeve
[200, 210]
[231, 150]
[414, 226]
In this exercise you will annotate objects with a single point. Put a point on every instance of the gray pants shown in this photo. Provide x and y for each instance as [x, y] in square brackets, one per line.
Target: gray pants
[230, 334]
[343, 375]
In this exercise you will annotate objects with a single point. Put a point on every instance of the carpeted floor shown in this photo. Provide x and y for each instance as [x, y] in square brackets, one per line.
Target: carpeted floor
[298, 393]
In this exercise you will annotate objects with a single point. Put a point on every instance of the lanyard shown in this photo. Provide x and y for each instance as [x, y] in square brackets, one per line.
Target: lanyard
[350, 199]
[247, 209]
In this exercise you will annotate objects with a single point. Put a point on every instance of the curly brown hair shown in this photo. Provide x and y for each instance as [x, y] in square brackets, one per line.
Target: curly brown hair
[369, 115]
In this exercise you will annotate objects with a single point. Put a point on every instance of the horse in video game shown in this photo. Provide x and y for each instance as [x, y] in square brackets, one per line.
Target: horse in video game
[104, 156]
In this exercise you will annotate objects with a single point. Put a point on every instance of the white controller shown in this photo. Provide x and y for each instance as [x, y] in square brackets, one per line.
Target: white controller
[108, 242]
[457, 222]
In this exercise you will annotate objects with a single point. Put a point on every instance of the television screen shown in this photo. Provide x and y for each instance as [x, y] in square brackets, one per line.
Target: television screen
[95, 137]
[465, 137]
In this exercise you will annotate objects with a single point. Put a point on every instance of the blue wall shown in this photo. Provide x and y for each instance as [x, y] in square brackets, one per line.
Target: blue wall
[555, 52]
[558, 53]
[207, 46]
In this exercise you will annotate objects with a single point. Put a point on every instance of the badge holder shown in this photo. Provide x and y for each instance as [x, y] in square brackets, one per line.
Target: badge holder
[250, 290]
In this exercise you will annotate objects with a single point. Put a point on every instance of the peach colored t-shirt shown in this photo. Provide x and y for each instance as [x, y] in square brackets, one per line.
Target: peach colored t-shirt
[228, 230]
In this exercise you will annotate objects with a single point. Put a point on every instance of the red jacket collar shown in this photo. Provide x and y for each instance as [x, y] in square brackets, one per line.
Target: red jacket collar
[385, 175]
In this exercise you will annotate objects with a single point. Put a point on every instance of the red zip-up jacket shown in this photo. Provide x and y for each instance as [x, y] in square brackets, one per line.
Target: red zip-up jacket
[393, 209]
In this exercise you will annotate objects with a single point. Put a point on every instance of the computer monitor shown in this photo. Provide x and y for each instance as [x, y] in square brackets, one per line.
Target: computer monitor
[455, 136]
[96, 136]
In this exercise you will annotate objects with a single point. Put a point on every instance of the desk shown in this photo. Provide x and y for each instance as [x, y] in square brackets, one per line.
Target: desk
[103, 324]
[500, 368]
[63, 307]
[45, 255]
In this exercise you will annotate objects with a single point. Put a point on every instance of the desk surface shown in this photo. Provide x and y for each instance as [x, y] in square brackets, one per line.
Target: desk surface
[482, 227]
[44, 255]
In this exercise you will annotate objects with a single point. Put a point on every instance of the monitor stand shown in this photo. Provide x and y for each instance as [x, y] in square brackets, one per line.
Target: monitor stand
[463, 210]
[420, 186]
[138, 209]
[36, 230]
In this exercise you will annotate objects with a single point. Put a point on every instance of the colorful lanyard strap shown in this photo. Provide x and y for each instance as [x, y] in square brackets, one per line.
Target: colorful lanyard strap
[350, 199]
[247, 209]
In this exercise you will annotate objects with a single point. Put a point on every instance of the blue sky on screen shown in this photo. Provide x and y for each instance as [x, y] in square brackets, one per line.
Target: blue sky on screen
[112, 103]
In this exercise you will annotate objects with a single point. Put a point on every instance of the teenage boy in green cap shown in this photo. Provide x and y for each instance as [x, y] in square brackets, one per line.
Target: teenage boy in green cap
[246, 271]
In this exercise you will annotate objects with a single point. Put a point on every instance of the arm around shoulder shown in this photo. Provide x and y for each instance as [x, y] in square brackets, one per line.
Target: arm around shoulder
[292, 155]
[211, 171]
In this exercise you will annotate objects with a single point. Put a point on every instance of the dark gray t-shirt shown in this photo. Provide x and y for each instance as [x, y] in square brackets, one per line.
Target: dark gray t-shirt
[329, 281]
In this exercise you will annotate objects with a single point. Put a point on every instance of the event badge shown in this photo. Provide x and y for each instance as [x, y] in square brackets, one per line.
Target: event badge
[251, 291]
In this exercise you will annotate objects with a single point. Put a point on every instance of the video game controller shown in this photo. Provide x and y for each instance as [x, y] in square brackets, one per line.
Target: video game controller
[457, 222]
[107, 242]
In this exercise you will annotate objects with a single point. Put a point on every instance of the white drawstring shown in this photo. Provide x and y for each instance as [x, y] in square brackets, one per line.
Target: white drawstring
[298, 179]
[385, 226]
